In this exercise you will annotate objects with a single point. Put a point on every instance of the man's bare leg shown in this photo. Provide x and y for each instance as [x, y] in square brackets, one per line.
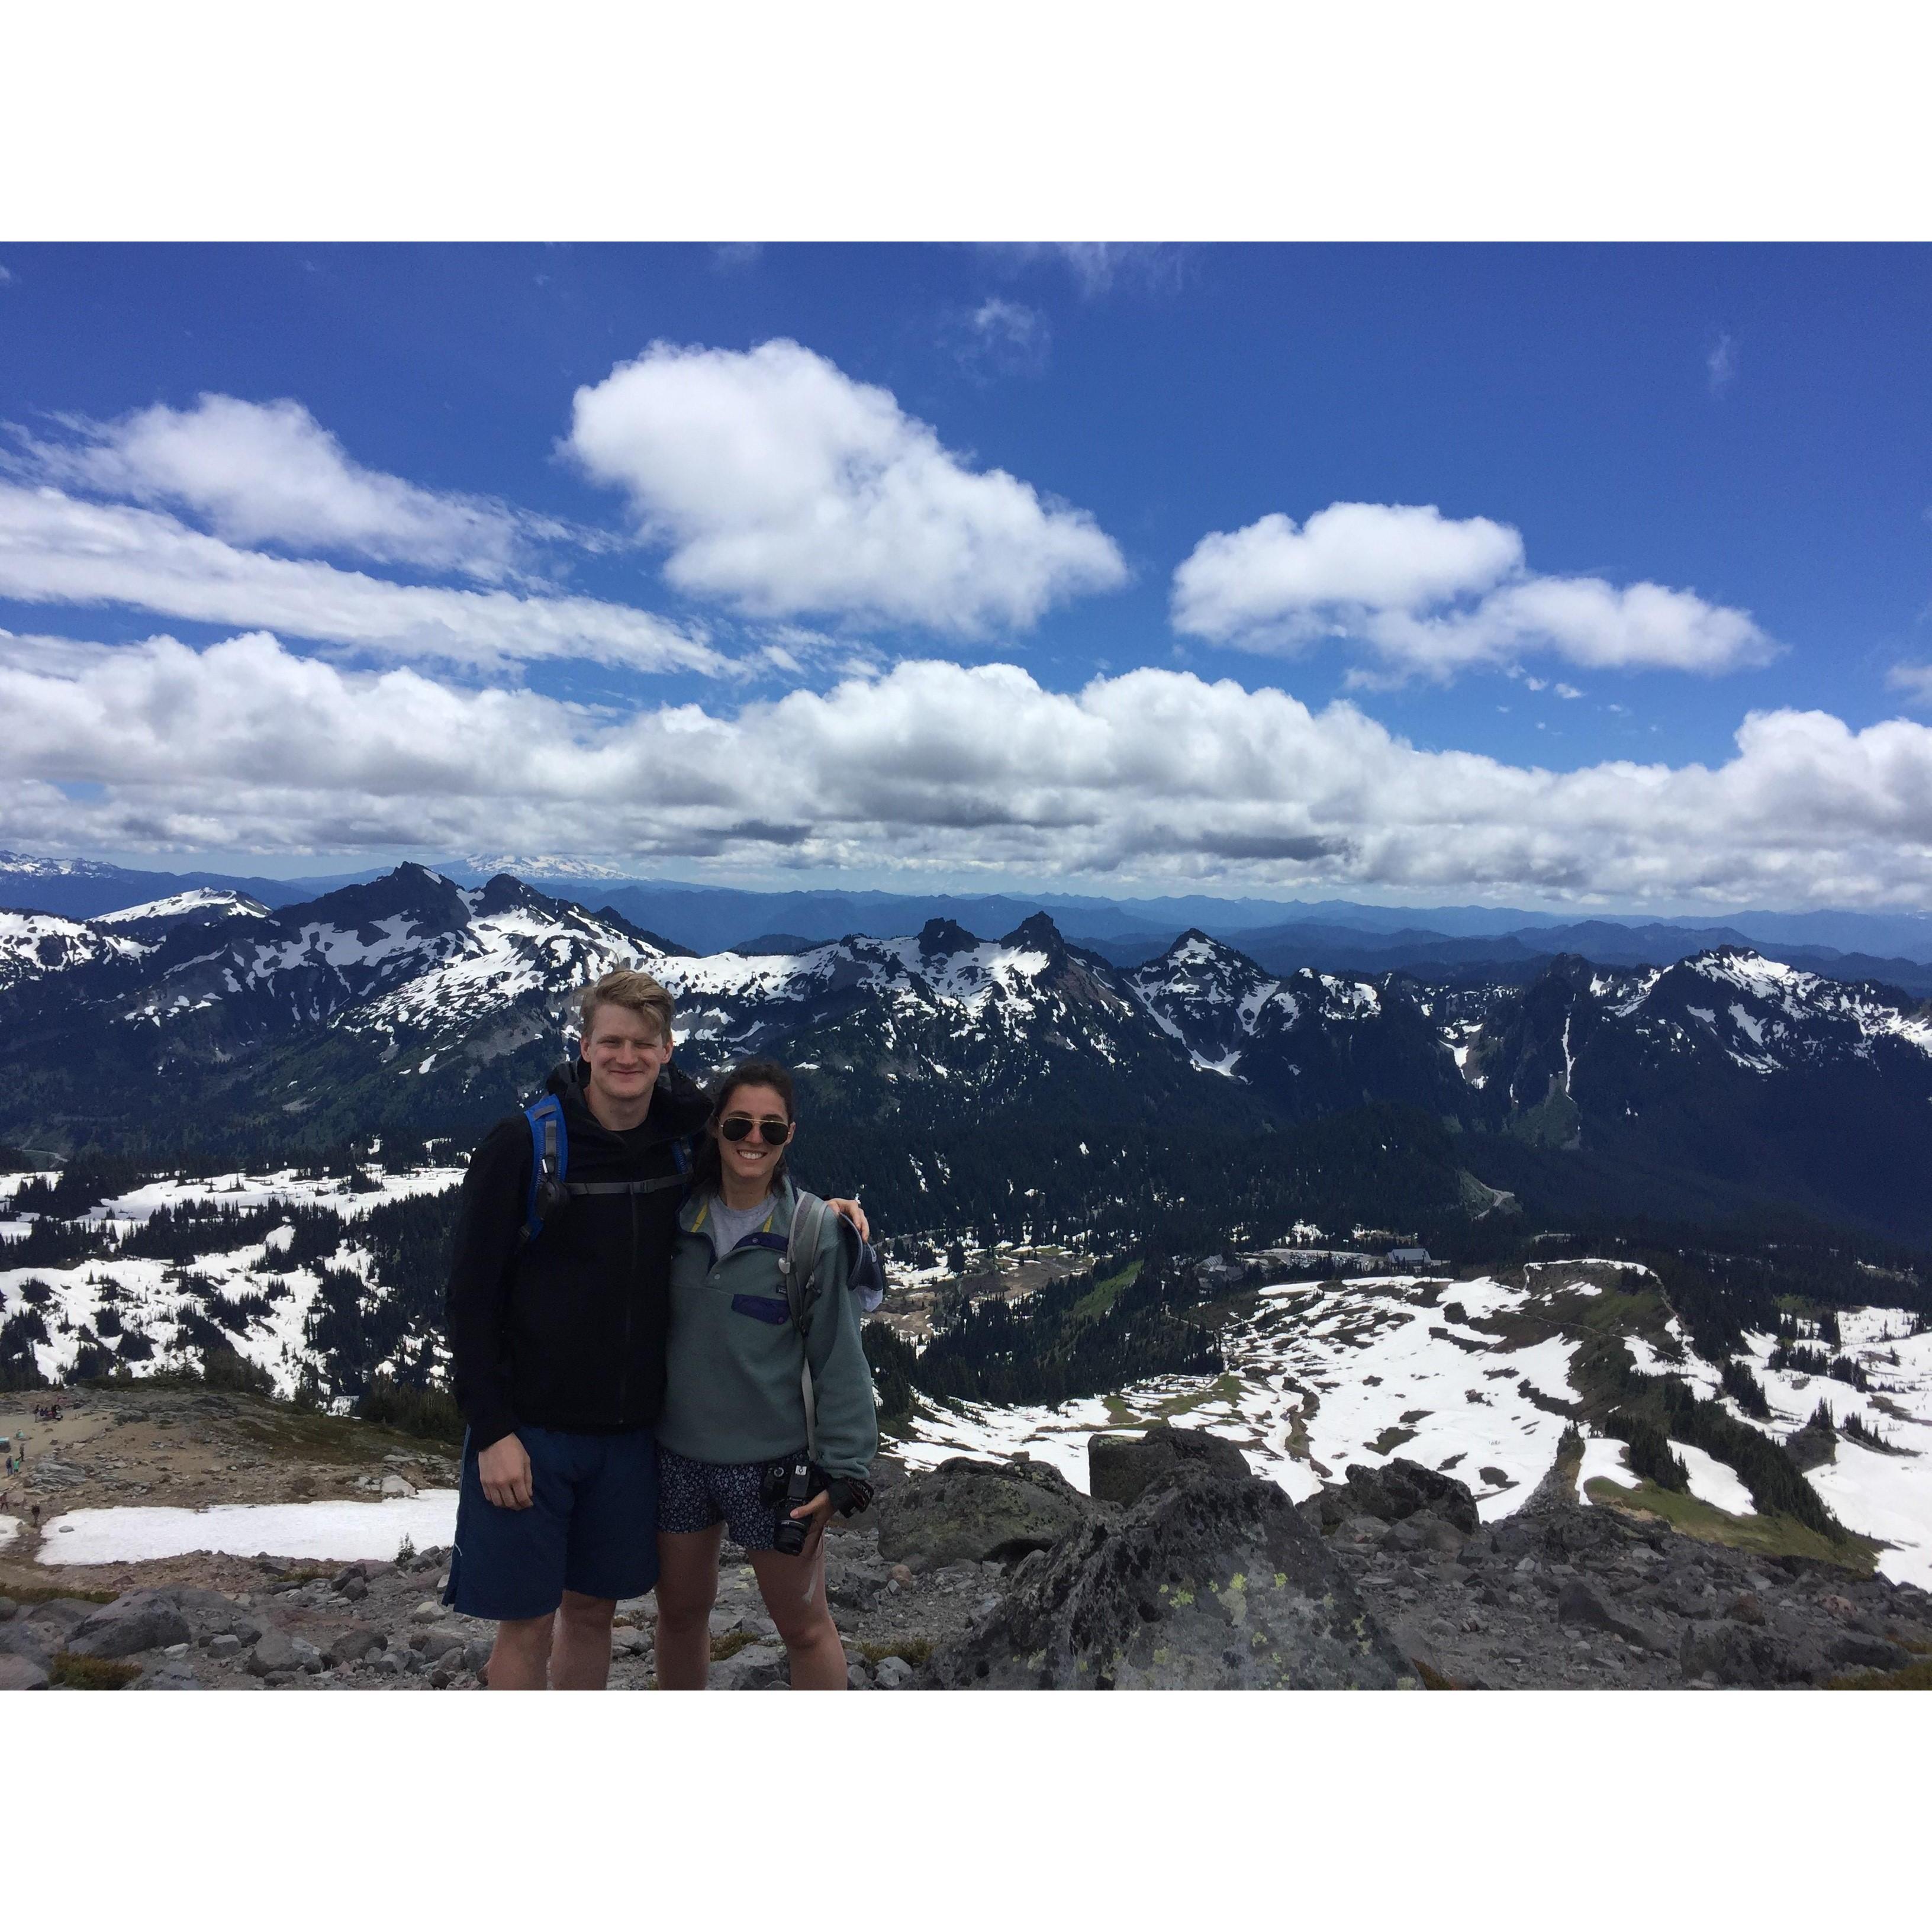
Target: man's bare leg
[520, 1661]
[580, 1650]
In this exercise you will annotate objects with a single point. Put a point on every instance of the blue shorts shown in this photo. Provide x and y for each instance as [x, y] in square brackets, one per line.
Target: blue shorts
[591, 1527]
[693, 1495]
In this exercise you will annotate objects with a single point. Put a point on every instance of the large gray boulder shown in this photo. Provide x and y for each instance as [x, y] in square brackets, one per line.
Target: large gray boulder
[1119, 1468]
[58, 1618]
[21, 1673]
[35, 1642]
[274, 1651]
[141, 1620]
[1208, 1582]
[967, 1511]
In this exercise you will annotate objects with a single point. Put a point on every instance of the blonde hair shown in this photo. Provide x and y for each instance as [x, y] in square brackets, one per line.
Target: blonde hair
[625, 986]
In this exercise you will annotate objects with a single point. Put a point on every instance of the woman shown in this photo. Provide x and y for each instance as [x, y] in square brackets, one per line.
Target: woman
[735, 1407]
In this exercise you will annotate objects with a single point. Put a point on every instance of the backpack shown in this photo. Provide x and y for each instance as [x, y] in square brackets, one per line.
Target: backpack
[798, 1269]
[550, 1191]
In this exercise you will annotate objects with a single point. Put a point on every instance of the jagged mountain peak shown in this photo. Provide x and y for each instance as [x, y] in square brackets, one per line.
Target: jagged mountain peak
[428, 901]
[505, 892]
[941, 938]
[1037, 934]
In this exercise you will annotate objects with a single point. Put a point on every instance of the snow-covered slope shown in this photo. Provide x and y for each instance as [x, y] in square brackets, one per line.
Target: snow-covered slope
[268, 1314]
[206, 903]
[1472, 1377]
[34, 945]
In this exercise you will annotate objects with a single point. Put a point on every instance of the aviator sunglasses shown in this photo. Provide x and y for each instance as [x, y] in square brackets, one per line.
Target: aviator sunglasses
[738, 1127]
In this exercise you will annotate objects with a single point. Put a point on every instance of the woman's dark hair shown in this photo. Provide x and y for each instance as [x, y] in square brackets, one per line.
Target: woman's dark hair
[706, 1167]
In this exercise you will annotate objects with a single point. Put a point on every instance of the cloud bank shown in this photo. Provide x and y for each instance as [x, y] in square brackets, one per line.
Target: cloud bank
[1153, 776]
[1425, 595]
[785, 489]
[56, 549]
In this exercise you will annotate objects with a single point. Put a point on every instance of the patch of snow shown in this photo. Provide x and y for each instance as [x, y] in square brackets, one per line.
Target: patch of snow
[1604, 1456]
[1714, 1482]
[340, 1531]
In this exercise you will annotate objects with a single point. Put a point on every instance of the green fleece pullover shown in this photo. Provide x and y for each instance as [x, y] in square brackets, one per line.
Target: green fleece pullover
[732, 1386]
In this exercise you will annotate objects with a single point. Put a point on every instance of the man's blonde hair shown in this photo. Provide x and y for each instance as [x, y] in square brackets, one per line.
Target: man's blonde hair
[625, 986]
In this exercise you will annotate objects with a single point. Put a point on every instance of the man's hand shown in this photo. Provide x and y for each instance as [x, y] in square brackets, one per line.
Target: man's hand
[505, 1469]
[854, 1213]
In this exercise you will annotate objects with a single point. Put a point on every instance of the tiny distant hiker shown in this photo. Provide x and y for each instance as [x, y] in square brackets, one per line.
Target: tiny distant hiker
[558, 1306]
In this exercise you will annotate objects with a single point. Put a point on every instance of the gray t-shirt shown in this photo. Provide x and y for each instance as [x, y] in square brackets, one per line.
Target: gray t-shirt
[728, 1226]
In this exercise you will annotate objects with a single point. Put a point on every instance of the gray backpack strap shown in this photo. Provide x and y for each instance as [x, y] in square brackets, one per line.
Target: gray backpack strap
[799, 1268]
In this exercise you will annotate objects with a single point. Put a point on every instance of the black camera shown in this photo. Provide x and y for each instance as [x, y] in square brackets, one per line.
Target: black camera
[788, 1486]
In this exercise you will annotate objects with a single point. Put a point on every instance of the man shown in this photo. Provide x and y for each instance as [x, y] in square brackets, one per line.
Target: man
[559, 1346]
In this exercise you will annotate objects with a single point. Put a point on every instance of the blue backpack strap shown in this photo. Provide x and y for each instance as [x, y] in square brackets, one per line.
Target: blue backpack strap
[550, 1155]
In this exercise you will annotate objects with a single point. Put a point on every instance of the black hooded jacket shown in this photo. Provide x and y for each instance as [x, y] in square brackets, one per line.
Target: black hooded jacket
[567, 1331]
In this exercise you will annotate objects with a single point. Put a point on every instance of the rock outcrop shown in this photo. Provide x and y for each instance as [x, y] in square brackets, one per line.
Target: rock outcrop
[969, 1511]
[1119, 1468]
[1397, 1491]
[1208, 1582]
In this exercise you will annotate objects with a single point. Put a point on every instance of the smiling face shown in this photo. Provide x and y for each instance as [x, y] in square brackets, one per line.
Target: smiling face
[625, 1053]
[747, 1166]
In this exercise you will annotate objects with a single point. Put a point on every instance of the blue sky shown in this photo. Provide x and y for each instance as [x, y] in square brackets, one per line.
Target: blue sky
[767, 609]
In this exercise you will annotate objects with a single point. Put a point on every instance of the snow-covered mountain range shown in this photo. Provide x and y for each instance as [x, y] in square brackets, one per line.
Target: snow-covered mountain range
[410, 1004]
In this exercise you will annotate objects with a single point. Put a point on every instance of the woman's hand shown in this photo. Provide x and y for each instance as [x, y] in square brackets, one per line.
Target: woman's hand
[854, 1213]
[814, 1514]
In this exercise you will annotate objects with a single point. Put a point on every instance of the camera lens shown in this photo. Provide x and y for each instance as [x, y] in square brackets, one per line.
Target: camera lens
[788, 1539]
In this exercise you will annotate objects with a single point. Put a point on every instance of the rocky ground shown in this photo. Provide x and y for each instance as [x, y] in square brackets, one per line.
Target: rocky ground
[186, 1445]
[1181, 1569]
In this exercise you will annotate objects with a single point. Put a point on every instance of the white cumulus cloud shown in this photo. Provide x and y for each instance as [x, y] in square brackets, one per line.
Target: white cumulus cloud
[262, 472]
[934, 766]
[785, 488]
[57, 549]
[1428, 595]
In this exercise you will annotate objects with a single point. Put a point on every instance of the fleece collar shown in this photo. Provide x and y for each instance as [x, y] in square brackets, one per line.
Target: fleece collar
[694, 1216]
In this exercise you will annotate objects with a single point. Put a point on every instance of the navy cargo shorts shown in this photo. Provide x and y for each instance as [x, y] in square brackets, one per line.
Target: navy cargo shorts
[591, 1526]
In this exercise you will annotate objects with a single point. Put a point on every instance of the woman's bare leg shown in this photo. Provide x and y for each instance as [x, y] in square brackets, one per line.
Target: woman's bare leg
[687, 1587]
[794, 1588]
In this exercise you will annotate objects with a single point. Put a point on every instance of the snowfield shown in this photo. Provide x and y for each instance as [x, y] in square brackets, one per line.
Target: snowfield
[337, 1532]
[1318, 1377]
[287, 1188]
